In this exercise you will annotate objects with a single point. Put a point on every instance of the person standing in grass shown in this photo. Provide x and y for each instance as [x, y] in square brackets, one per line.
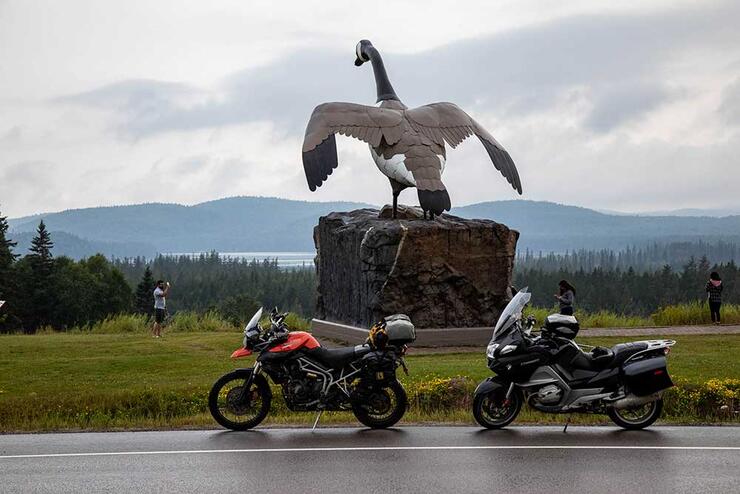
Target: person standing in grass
[566, 297]
[160, 306]
[714, 296]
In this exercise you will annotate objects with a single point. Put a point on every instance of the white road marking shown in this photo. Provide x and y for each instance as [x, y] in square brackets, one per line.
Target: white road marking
[367, 448]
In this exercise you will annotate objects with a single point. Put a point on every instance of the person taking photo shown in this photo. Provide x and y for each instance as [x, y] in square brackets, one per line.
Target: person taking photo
[161, 291]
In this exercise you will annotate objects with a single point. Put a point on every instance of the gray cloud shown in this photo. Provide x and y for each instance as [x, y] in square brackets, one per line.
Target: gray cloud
[613, 107]
[519, 72]
[730, 105]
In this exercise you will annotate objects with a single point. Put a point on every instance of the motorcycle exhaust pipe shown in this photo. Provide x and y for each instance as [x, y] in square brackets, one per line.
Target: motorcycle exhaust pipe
[631, 400]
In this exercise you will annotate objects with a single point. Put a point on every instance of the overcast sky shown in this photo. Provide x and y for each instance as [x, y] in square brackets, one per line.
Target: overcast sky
[631, 105]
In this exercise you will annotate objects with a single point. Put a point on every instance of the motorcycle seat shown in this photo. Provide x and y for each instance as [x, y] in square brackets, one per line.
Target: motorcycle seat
[336, 358]
[623, 351]
[602, 358]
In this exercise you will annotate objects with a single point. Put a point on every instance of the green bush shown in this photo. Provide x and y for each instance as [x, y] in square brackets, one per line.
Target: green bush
[441, 394]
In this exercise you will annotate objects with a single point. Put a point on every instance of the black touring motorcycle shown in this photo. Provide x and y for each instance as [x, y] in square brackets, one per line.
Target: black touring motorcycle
[313, 378]
[551, 373]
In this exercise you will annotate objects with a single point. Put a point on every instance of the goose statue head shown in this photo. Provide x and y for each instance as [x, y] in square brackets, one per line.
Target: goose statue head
[407, 145]
[366, 52]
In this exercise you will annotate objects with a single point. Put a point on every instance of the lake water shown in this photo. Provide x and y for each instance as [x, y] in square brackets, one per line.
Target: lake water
[287, 260]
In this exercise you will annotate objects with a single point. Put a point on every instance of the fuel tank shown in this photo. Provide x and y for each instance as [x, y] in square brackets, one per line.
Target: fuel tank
[296, 340]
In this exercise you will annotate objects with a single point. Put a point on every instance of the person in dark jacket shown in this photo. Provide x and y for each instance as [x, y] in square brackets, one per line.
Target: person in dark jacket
[714, 296]
[566, 297]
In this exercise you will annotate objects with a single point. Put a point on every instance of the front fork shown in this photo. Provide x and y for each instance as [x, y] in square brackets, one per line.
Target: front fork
[248, 383]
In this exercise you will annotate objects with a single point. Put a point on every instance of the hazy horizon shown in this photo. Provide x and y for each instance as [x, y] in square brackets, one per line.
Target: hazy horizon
[689, 212]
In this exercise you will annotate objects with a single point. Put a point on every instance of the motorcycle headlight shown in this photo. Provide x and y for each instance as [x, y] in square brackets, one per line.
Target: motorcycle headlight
[508, 349]
[491, 348]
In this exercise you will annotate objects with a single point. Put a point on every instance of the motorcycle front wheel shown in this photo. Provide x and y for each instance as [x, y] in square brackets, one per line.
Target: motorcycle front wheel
[638, 417]
[381, 407]
[235, 408]
[494, 411]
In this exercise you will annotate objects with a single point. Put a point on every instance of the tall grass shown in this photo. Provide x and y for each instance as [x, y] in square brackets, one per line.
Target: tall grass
[182, 322]
[600, 319]
[693, 313]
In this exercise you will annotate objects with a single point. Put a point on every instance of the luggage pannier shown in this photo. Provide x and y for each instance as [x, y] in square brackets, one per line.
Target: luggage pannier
[648, 376]
[562, 325]
[400, 329]
[379, 366]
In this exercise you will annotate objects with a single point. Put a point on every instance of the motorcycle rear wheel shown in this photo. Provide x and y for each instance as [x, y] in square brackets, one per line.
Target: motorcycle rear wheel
[638, 417]
[383, 407]
[227, 410]
[493, 411]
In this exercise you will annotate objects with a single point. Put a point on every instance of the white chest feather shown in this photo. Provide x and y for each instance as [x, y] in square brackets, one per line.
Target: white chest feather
[395, 168]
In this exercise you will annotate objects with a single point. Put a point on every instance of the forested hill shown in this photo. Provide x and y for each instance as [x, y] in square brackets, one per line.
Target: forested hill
[226, 225]
[549, 227]
[269, 224]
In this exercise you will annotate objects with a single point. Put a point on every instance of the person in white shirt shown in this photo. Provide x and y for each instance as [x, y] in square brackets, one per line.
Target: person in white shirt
[160, 306]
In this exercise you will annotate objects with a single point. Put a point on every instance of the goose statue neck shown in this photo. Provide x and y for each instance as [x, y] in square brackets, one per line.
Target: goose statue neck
[382, 83]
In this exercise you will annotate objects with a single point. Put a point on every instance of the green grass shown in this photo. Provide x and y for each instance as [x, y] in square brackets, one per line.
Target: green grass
[101, 381]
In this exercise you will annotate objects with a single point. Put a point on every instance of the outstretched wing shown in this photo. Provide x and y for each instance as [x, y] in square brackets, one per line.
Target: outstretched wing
[447, 122]
[366, 123]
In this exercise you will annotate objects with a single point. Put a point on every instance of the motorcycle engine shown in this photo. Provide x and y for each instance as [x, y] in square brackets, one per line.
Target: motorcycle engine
[549, 395]
[301, 390]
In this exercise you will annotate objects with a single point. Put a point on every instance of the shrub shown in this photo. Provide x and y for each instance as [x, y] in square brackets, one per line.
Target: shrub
[441, 394]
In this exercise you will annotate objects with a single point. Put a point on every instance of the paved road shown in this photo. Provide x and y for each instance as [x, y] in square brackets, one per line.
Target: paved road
[407, 460]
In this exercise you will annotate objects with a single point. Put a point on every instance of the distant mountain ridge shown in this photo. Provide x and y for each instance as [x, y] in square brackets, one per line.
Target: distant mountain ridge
[271, 224]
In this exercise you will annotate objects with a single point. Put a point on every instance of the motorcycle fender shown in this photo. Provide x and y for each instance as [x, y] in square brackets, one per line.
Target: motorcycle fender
[487, 386]
[242, 352]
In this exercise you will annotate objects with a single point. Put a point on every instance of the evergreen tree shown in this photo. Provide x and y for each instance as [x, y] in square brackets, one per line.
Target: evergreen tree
[143, 303]
[41, 245]
[41, 262]
[6, 247]
[7, 279]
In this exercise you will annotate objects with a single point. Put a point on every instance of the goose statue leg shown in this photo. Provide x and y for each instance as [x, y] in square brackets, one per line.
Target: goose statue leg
[397, 188]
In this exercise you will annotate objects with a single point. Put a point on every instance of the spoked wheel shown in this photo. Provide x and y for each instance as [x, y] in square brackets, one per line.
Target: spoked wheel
[381, 407]
[236, 409]
[637, 417]
[494, 411]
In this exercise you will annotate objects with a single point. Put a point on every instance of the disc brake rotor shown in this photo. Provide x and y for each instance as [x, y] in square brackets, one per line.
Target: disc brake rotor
[237, 404]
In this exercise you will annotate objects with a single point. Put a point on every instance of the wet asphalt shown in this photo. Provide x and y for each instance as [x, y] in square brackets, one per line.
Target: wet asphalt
[353, 460]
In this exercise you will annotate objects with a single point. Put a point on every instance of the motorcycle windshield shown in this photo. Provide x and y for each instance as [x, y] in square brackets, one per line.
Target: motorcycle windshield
[252, 324]
[511, 313]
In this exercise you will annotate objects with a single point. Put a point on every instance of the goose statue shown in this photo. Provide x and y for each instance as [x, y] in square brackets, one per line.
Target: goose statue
[407, 145]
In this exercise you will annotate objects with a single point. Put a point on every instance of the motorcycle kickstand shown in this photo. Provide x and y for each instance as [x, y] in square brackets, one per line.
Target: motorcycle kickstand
[316, 422]
[565, 429]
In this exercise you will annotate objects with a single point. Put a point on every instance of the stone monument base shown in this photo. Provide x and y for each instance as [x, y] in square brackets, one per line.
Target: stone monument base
[445, 273]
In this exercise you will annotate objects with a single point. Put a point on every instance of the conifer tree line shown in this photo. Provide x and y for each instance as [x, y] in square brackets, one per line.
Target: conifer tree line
[231, 286]
[651, 257]
[629, 291]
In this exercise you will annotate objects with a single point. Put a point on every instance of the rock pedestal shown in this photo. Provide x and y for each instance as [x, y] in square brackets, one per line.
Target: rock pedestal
[448, 272]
